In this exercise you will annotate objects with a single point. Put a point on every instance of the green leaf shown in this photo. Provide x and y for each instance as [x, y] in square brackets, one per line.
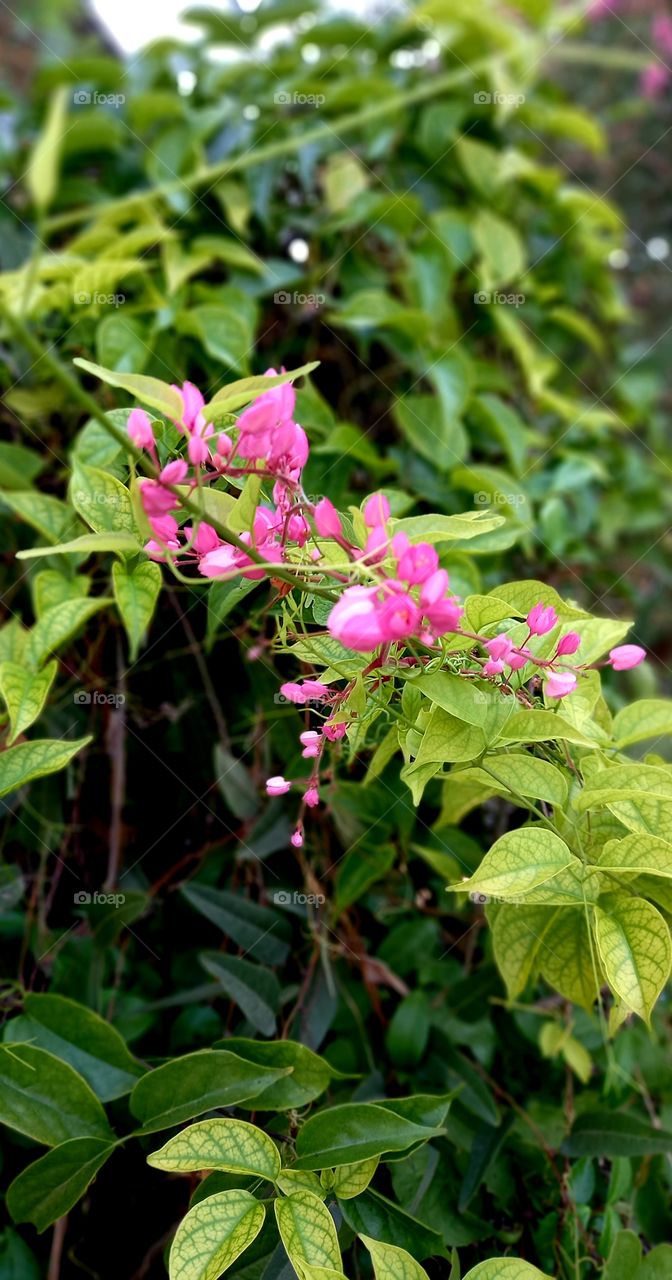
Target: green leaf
[307, 1231]
[81, 1037]
[232, 1145]
[19, 466]
[360, 868]
[518, 861]
[517, 936]
[506, 1269]
[565, 958]
[46, 1099]
[60, 624]
[501, 249]
[51, 587]
[290, 1180]
[235, 784]
[307, 1076]
[254, 989]
[392, 1263]
[521, 774]
[136, 591]
[625, 782]
[241, 518]
[42, 171]
[213, 1234]
[29, 760]
[159, 395]
[197, 1082]
[239, 393]
[542, 726]
[224, 333]
[353, 1132]
[25, 694]
[260, 931]
[648, 718]
[438, 529]
[635, 854]
[351, 1179]
[634, 943]
[376, 1216]
[48, 1188]
[51, 518]
[101, 500]
[608, 1134]
[213, 504]
[122, 543]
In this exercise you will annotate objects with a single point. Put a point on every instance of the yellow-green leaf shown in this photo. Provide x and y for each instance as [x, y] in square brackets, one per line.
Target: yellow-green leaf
[232, 1145]
[290, 1180]
[58, 625]
[42, 172]
[634, 943]
[121, 542]
[648, 718]
[238, 393]
[101, 500]
[213, 1234]
[565, 958]
[25, 693]
[392, 1263]
[136, 590]
[307, 1231]
[517, 862]
[349, 1180]
[29, 760]
[506, 1269]
[638, 854]
[518, 932]
[152, 391]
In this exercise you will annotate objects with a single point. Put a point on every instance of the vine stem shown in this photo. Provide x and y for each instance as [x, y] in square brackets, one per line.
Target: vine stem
[208, 175]
[67, 380]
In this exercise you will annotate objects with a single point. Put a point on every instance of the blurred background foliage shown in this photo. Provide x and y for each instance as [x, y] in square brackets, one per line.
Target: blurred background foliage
[410, 197]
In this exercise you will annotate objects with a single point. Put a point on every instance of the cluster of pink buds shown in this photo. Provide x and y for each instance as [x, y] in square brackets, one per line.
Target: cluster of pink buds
[312, 744]
[268, 443]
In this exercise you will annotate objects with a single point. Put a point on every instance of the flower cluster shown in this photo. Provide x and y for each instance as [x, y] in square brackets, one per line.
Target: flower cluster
[268, 442]
[392, 597]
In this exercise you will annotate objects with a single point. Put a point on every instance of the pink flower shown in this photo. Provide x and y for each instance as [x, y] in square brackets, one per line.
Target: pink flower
[661, 31]
[398, 614]
[198, 450]
[518, 659]
[174, 472]
[434, 587]
[354, 619]
[310, 741]
[302, 693]
[165, 529]
[204, 540]
[156, 501]
[277, 786]
[327, 519]
[192, 404]
[376, 510]
[625, 656]
[140, 429]
[376, 546]
[569, 643]
[220, 562]
[654, 80]
[560, 683]
[289, 449]
[494, 667]
[224, 446]
[311, 797]
[443, 616]
[541, 619]
[334, 731]
[499, 647]
[257, 423]
[418, 563]
[296, 838]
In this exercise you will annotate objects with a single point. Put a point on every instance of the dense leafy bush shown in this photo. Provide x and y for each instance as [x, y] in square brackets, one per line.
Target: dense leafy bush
[207, 601]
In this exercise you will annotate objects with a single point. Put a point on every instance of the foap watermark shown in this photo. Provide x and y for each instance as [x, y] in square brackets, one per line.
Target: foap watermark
[96, 698]
[485, 499]
[285, 98]
[89, 98]
[483, 899]
[485, 99]
[281, 701]
[284, 898]
[84, 299]
[283, 298]
[484, 297]
[98, 899]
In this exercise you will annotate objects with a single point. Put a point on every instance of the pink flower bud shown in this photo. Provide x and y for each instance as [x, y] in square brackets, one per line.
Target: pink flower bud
[569, 643]
[140, 429]
[418, 563]
[541, 619]
[198, 450]
[334, 731]
[224, 445]
[376, 510]
[297, 838]
[310, 737]
[327, 519]
[518, 658]
[560, 683]
[174, 472]
[312, 797]
[499, 647]
[277, 786]
[625, 656]
[494, 667]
